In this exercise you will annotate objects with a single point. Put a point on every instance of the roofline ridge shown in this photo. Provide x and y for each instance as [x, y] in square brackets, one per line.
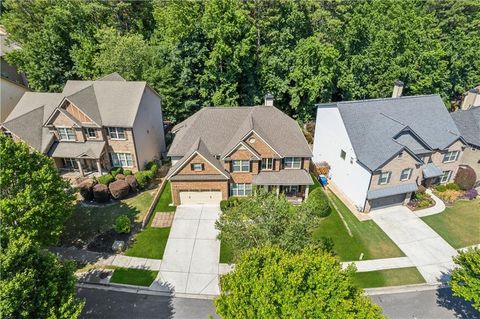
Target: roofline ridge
[39, 107]
[385, 99]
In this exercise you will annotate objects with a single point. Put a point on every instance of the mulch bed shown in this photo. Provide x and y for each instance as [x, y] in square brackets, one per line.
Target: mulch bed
[103, 242]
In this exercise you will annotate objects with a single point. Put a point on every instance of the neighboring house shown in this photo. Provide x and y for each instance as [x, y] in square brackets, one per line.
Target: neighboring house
[380, 150]
[12, 83]
[92, 125]
[468, 122]
[228, 151]
[471, 99]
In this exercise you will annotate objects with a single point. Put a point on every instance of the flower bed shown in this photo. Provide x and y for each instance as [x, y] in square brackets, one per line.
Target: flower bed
[451, 192]
[421, 200]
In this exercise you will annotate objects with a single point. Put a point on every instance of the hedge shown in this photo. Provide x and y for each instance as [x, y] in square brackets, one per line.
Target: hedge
[106, 179]
[317, 202]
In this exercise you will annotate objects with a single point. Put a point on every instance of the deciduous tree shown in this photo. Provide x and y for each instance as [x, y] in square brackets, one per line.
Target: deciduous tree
[466, 278]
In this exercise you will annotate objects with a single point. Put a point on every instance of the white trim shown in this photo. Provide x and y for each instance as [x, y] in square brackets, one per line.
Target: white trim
[248, 147]
[410, 171]
[253, 131]
[186, 162]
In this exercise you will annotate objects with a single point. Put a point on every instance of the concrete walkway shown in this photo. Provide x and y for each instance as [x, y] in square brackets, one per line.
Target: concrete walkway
[430, 253]
[380, 264]
[190, 262]
[436, 209]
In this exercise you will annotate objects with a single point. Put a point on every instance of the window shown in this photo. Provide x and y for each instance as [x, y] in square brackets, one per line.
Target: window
[290, 190]
[292, 162]
[196, 167]
[446, 176]
[406, 174]
[90, 132]
[267, 163]
[240, 166]
[384, 178]
[450, 156]
[66, 134]
[343, 154]
[240, 189]
[69, 162]
[122, 159]
[117, 133]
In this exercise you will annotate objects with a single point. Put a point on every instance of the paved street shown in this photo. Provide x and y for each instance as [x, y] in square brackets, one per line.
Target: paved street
[104, 304]
[430, 304]
[429, 252]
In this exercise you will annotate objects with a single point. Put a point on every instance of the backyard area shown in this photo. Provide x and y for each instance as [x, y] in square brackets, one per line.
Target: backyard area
[388, 277]
[459, 224]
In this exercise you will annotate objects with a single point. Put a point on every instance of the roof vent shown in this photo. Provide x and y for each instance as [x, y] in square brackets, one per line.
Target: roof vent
[397, 89]
[268, 99]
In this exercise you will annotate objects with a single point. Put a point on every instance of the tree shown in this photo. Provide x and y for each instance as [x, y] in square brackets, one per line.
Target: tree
[270, 282]
[35, 284]
[34, 199]
[266, 219]
[465, 279]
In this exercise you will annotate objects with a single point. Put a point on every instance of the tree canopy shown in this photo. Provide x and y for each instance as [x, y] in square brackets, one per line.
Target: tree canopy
[466, 277]
[270, 282]
[228, 52]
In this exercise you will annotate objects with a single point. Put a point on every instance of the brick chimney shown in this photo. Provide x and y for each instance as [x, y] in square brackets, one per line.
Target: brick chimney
[268, 99]
[397, 89]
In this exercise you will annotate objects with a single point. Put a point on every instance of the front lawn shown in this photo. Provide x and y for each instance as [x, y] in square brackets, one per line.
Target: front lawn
[388, 277]
[149, 243]
[459, 224]
[165, 200]
[137, 277]
[367, 238]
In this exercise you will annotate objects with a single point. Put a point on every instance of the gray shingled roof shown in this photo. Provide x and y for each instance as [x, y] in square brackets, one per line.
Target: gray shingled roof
[468, 122]
[222, 128]
[372, 126]
[283, 177]
[393, 190]
[89, 149]
[431, 170]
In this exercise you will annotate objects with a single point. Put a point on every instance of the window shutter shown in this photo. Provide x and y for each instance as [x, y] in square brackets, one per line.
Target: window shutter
[203, 167]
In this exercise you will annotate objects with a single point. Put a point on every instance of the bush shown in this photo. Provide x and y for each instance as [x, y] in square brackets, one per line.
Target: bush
[116, 170]
[132, 182]
[119, 177]
[317, 203]
[106, 179]
[123, 225]
[421, 189]
[450, 195]
[142, 179]
[86, 189]
[119, 189]
[100, 193]
[441, 188]
[471, 194]
[424, 203]
[465, 177]
[453, 186]
[223, 204]
[127, 172]
[152, 166]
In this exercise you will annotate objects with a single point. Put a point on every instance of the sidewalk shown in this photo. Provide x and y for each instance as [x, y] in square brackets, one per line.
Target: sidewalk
[380, 264]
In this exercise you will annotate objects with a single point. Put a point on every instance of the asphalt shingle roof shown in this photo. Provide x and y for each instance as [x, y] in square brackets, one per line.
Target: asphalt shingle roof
[283, 177]
[468, 122]
[391, 191]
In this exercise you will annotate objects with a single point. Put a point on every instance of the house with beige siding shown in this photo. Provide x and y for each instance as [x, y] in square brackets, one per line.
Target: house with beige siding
[381, 150]
[220, 152]
[92, 126]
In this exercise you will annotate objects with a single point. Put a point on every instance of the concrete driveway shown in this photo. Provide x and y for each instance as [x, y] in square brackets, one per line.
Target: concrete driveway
[190, 261]
[430, 253]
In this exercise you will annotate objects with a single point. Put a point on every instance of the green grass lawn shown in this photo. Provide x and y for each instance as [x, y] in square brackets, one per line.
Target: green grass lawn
[367, 238]
[226, 253]
[459, 224]
[149, 243]
[87, 222]
[389, 277]
[165, 200]
[137, 277]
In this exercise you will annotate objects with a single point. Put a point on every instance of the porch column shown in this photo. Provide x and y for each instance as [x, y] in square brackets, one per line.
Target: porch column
[80, 168]
[306, 191]
[99, 167]
[278, 190]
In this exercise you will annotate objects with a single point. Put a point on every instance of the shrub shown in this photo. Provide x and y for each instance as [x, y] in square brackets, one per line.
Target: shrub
[450, 195]
[105, 179]
[123, 225]
[230, 202]
[471, 194]
[223, 205]
[441, 188]
[317, 203]
[453, 186]
[132, 182]
[116, 170]
[421, 189]
[152, 166]
[119, 177]
[127, 172]
[142, 179]
[100, 193]
[119, 189]
[465, 177]
[86, 189]
[424, 203]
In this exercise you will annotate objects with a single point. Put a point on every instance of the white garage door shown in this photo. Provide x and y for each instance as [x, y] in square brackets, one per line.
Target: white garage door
[200, 197]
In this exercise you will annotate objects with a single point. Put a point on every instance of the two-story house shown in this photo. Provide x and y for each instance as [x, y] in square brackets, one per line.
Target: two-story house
[380, 150]
[228, 151]
[92, 126]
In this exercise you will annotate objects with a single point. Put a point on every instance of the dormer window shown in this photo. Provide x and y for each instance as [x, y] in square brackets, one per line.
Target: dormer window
[116, 133]
[66, 134]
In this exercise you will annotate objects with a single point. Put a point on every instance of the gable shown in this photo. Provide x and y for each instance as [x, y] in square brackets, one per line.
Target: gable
[76, 113]
[408, 139]
[259, 145]
[406, 160]
[61, 119]
[208, 168]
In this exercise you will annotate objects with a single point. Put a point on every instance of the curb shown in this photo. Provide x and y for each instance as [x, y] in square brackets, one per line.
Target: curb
[403, 289]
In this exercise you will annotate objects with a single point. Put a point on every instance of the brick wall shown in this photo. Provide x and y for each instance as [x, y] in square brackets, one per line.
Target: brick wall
[178, 186]
[197, 159]
[395, 166]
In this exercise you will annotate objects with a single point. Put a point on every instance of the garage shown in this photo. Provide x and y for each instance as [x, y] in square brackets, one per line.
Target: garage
[387, 201]
[212, 197]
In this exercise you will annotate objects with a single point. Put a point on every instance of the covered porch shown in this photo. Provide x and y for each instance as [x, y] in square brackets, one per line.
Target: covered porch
[431, 175]
[80, 158]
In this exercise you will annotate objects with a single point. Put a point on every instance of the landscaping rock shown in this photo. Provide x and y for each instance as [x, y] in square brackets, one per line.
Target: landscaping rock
[86, 189]
[132, 182]
[118, 245]
[119, 189]
[100, 193]
[119, 177]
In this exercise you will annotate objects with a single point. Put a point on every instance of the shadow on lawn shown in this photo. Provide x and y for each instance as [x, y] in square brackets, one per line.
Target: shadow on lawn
[463, 309]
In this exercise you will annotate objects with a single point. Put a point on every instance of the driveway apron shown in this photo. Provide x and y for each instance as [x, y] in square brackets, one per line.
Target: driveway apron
[429, 252]
[190, 261]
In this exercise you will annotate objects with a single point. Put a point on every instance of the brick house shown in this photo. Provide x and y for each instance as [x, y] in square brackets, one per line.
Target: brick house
[381, 150]
[92, 126]
[227, 151]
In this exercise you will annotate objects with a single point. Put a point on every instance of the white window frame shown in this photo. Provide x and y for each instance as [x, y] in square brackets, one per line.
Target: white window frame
[69, 162]
[240, 189]
[64, 132]
[243, 166]
[408, 171]
[196, 168]
[267, 164]
[292, 162]
[291, 189]
[445, 177]
[115, 133]
[119, 159]
[451, 156]
[381, 177]
[89, 130]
